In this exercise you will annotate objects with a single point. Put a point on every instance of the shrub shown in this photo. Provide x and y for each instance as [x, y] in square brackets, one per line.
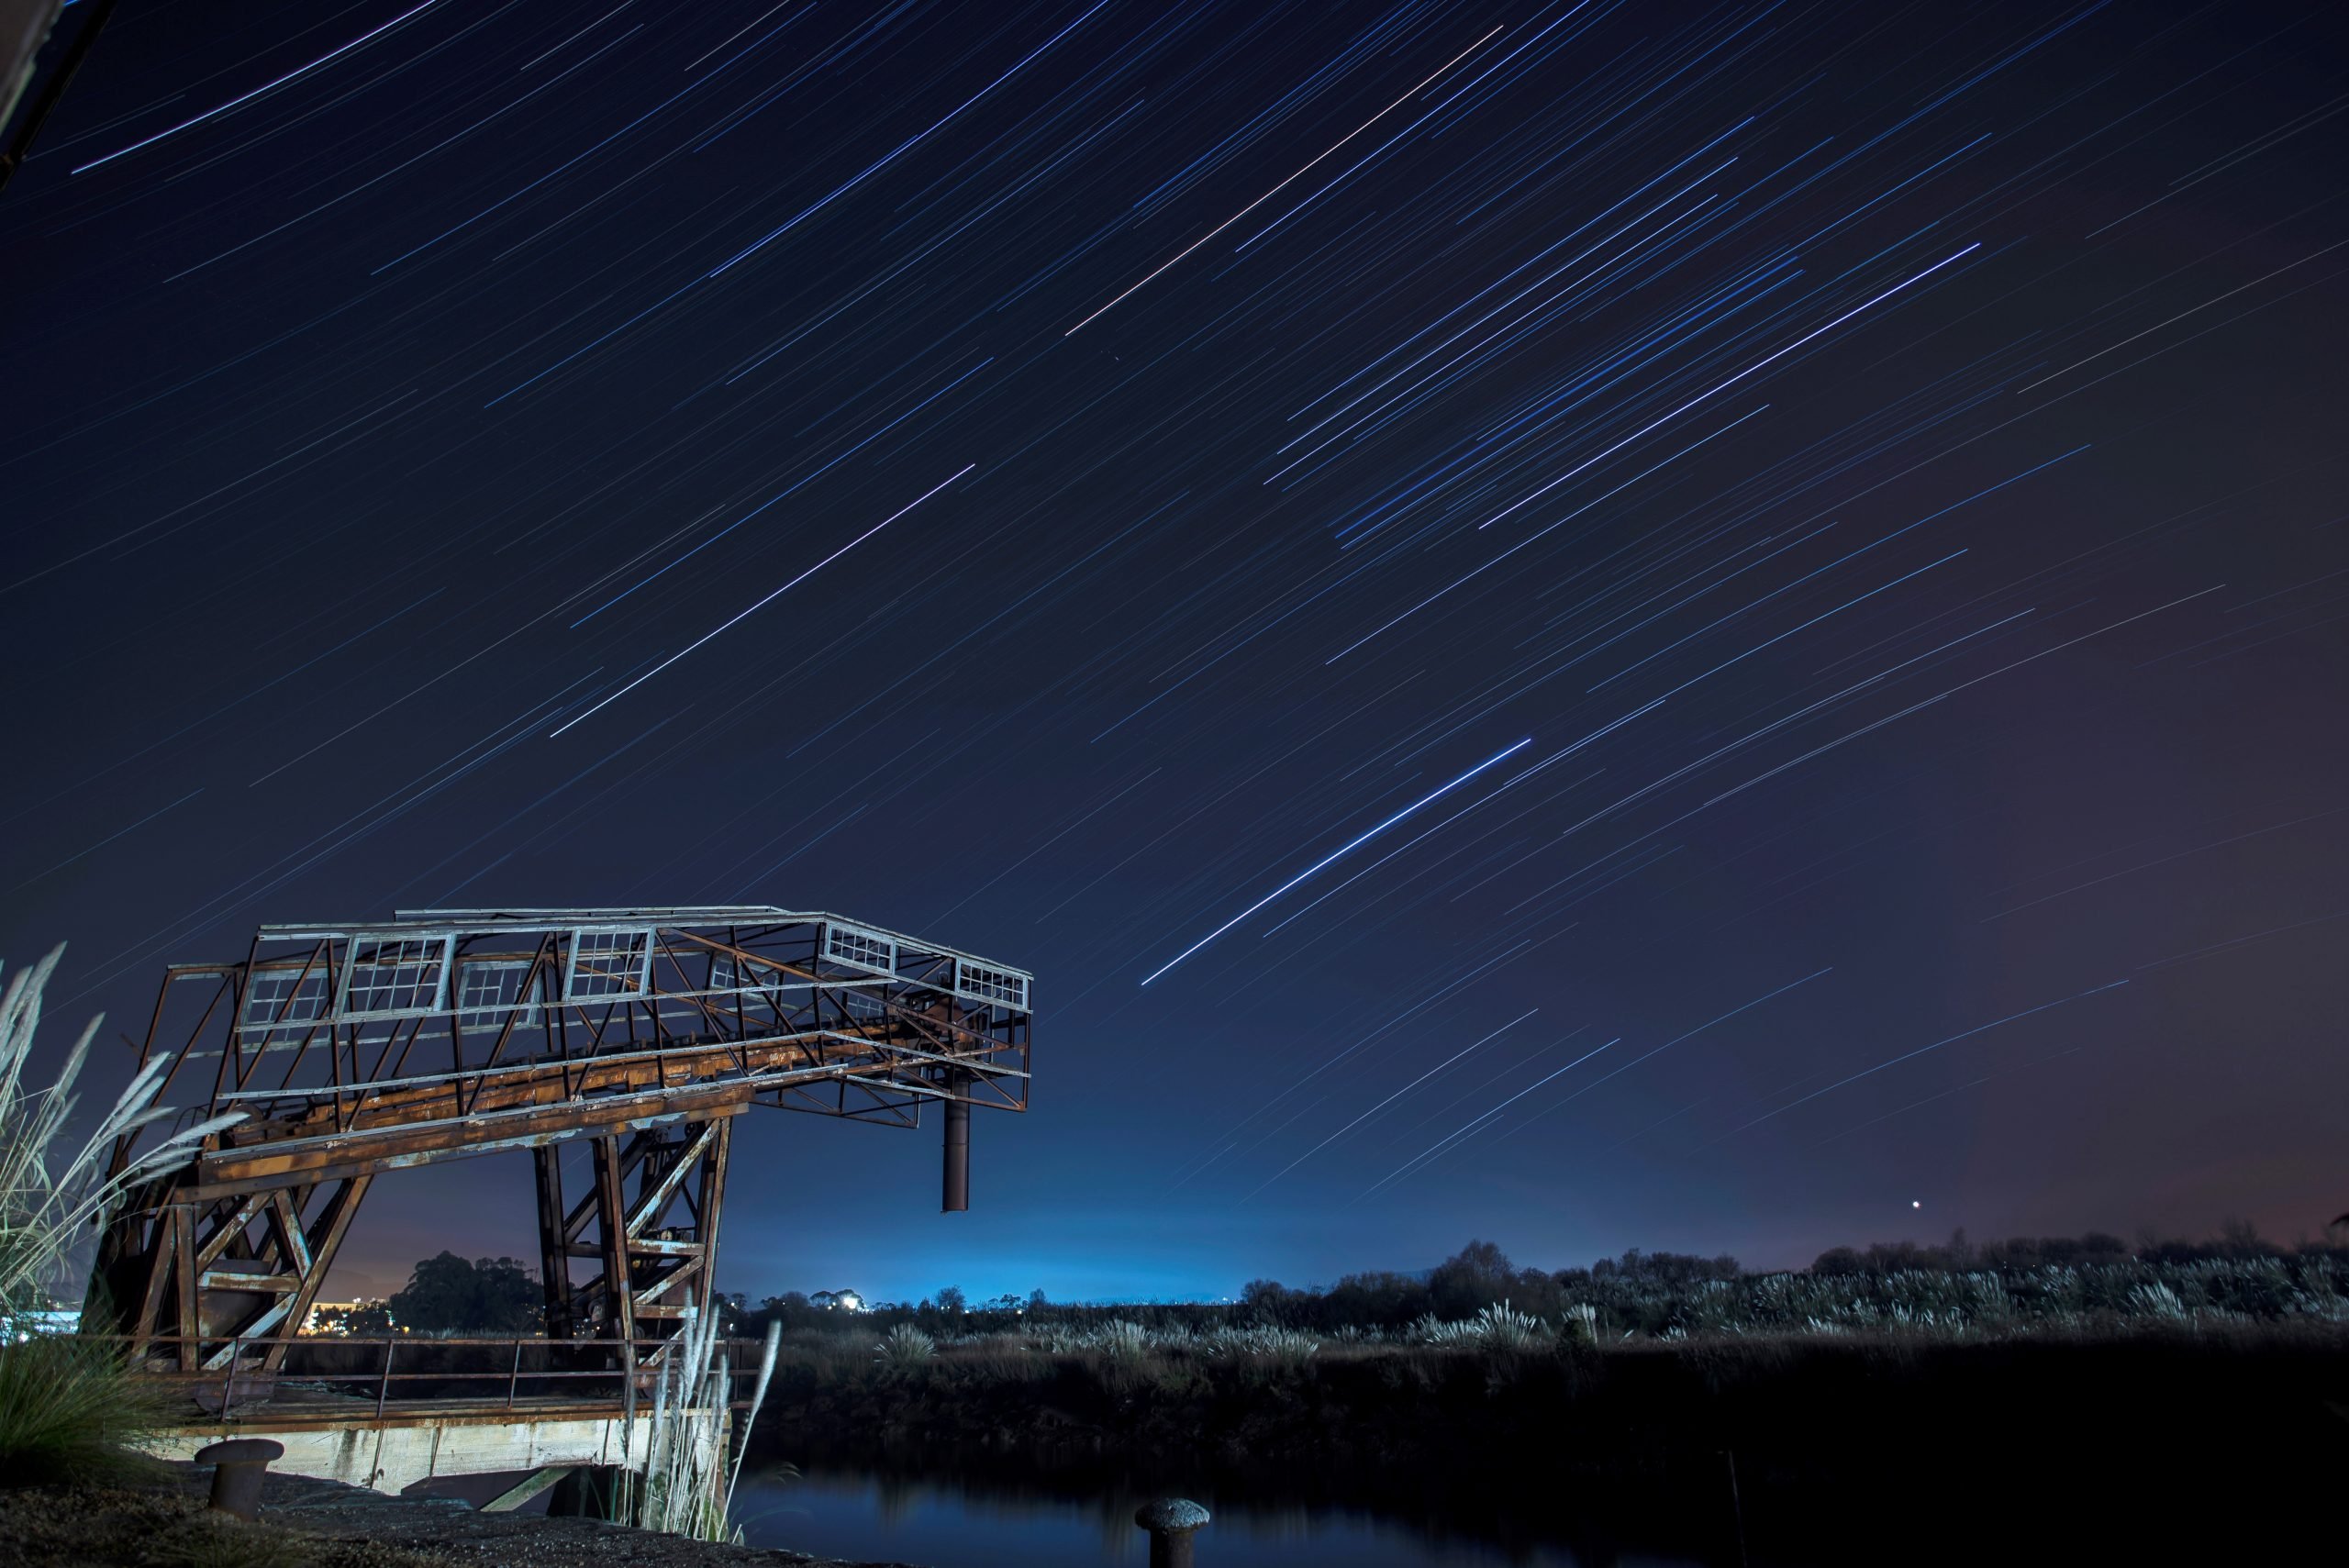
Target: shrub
[66, 1408]
[903, 1348]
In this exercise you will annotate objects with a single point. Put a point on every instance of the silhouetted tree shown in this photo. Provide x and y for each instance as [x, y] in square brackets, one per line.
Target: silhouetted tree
[1472, 1279]
[447, 1295]
[1262, 1291]
[368, 1320]
[1382, 1300]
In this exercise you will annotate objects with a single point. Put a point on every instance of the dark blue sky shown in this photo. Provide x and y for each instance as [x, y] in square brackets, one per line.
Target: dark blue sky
[1044, 476]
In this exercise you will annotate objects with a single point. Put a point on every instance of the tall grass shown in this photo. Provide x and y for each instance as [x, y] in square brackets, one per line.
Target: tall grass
[685, 1484]
[767, 1355]
[65, 1405]
[678, 1485]
[49, 1189]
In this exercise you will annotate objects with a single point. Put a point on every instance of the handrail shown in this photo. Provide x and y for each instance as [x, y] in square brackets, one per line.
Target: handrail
[237, 1368]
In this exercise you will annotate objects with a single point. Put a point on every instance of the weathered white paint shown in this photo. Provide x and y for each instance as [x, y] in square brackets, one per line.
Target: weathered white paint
[397, 1454]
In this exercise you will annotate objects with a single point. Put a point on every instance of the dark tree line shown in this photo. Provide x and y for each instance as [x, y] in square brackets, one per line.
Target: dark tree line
[499, 1295]
[1479, 1275]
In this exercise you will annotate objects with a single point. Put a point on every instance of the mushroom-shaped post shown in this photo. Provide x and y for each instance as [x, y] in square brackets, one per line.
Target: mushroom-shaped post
[237, 1466]
[1172, 1522]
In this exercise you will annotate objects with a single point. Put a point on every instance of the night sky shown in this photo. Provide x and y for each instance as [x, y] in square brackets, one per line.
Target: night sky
[1701, 627]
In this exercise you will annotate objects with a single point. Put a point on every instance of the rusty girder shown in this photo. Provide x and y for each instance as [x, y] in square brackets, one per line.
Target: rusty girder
[353, 1050]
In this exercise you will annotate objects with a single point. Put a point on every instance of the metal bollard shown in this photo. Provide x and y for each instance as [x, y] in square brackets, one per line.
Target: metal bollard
[237, 1466]
[1172, 1522]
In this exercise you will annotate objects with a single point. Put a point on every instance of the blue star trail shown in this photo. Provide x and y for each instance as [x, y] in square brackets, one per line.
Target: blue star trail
[1376, 548]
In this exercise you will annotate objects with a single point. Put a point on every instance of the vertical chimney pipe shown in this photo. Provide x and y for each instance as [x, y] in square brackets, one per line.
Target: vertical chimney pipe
[955, 1196]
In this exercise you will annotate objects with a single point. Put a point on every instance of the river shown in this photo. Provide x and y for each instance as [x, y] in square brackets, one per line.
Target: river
[976, 1523]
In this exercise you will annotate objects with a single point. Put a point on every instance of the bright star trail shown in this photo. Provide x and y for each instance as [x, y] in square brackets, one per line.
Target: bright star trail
[1346, 848]
[754, 608]
[1109, 484]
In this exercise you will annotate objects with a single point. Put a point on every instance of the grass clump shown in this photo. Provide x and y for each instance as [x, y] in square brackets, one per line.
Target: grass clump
[66, 1408]
[1284, 1348]
[904, 1348]
[1498, 1329]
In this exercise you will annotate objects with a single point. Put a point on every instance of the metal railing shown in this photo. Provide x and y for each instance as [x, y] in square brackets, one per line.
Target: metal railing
[509, 1365]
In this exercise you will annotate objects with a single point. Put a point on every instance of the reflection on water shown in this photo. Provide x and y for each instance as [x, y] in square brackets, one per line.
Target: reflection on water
[845, 1513]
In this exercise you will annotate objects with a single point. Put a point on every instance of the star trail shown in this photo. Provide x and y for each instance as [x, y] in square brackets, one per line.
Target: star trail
[1435, 569]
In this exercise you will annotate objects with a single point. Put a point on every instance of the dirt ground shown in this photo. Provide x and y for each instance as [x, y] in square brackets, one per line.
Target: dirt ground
[323, 1524]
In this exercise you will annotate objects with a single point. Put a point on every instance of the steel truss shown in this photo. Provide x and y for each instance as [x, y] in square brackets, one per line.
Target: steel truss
[639, 1034]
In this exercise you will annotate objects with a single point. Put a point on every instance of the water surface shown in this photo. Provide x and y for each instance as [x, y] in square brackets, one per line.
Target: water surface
[967, 1524]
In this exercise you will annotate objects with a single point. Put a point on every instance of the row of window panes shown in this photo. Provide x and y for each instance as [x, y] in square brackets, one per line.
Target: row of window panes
[855, 947]
[994, 984]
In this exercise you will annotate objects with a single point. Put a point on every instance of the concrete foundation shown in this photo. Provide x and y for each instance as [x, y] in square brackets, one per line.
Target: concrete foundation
[395, 1452]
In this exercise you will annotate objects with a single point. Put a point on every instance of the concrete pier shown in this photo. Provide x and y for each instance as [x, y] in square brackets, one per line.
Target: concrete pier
[327, 1438]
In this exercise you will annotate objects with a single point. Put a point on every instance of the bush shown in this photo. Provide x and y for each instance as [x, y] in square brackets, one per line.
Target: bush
[66, 1407]
[903, 1348]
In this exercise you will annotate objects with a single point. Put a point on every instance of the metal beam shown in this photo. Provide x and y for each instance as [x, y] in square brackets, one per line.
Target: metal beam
[351, 1050]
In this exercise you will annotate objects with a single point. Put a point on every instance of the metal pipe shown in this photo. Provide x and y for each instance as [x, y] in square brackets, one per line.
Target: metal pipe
[956, 1197]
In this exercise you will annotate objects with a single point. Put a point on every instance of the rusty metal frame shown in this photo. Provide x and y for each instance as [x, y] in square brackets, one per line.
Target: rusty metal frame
[724, 1009]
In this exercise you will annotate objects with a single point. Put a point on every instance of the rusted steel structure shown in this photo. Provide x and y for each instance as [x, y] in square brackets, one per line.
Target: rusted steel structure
[640, 1034]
